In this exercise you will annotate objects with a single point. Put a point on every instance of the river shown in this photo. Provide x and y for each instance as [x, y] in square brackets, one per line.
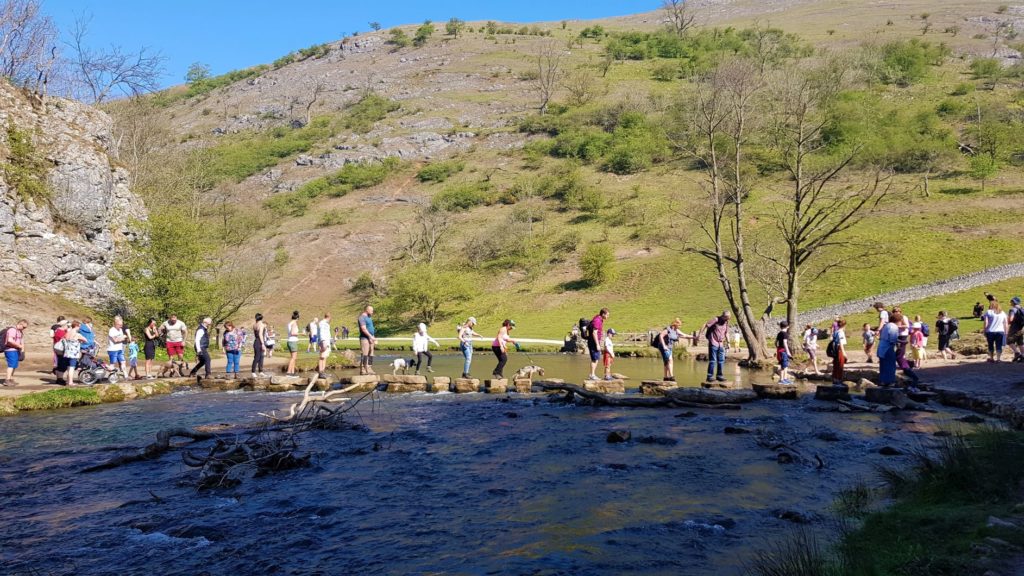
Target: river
[459, 484]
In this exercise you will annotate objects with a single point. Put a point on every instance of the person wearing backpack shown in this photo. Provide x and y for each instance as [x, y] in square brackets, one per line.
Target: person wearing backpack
[665, 341]
[595, 340]
[13, 343]
[1015, 335]
[944, 326]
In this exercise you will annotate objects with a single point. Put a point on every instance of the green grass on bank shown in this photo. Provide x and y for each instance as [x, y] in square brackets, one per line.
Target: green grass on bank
[52, 399]
[928, 520]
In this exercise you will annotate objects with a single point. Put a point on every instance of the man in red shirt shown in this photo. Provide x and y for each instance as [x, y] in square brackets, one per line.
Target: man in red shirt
[595, 340]
[716, 331]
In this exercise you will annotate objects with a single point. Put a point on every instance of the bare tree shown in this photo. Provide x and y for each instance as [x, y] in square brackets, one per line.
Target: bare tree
[424, 234]
[582, 87]
[716, 126]
[101, 74]
[821, 205]
[28, 50]
[677, 16]
[548, 58]
[315, 88]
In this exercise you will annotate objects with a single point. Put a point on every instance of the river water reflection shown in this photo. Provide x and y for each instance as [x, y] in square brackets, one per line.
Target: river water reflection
[459, 484]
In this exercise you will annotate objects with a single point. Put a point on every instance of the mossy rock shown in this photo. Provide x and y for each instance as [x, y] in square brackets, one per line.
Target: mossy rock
[970, 344]
[109, 393]
[7, 407]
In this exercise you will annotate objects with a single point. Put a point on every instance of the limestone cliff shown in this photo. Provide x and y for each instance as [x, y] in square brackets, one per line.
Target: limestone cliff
[65, 243]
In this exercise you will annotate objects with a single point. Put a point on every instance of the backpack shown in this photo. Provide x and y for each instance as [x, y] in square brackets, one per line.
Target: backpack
[832, 347]
[655, 340]
[588, 330]
[925, 329]
[3, 338]
[954, 329]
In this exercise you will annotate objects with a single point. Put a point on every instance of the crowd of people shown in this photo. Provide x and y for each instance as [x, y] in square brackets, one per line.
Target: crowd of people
[898, 342]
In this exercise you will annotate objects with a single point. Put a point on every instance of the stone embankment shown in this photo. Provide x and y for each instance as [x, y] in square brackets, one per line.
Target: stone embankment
[939, 288]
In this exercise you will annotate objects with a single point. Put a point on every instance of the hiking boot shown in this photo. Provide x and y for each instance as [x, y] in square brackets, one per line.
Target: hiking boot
[709, 380]
[670, 379]
[608, 378]
[362, 370]
[429, 369]
[4, 383]
[720, 378]
[465, 375]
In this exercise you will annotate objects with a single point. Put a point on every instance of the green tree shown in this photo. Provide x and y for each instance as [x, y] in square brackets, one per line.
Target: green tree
[597, 264]
[988, 70]
[423, 293]
[454, 26]
[423, 33]
[375, 26]
[399, 38]
[983, 167]
[197, 72]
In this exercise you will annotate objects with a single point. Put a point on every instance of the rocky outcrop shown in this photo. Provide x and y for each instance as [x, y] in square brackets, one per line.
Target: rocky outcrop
[67, 244]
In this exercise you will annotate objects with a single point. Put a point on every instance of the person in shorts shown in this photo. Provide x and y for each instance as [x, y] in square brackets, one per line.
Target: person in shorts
[782, 352]
[313, 336]
[133, 357]
[608, 354]
[14, 349]
[665, 342]
[595, 338]
[116, 340]
[175, 331]
[324, 341]
[293, 343]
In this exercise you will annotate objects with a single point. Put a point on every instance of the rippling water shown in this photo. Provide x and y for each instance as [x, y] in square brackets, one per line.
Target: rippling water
[463, 484]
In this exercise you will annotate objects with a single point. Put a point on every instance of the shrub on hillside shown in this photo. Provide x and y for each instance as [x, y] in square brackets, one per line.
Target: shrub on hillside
[241, 157]
[597, 264]
[350, 177]
[398, 38]
[361, 116]
[423, 33]
[440, 171]
[461, 197]
[904, 62]
[586, 143]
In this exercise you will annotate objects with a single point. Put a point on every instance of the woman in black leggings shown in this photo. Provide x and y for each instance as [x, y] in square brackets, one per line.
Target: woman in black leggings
[500, 347]
[259, 333]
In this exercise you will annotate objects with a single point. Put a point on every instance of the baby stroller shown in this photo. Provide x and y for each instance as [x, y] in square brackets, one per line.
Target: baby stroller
[91, 370]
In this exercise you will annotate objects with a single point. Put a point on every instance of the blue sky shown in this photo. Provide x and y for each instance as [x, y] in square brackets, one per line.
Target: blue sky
[232, 34]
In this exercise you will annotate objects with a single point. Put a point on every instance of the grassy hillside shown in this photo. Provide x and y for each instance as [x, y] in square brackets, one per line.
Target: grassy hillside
[523, 196]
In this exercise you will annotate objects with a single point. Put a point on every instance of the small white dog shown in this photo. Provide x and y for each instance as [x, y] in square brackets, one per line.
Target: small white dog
[403, 365]
[528, 372]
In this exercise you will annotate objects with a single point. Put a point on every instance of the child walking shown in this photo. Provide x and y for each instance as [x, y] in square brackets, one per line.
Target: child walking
[421, 346]
[783, 353]
[133, 359]
[869, 341]
[608, 354]
[810, 345]
[917, 345]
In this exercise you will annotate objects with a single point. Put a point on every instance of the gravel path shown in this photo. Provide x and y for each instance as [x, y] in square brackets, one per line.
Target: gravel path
[948, 286]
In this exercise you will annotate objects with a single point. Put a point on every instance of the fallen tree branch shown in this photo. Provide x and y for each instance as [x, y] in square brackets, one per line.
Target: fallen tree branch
[162, 444]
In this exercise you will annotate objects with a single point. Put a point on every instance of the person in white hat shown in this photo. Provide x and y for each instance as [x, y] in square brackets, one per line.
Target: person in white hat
[421, 346]
[608, 353]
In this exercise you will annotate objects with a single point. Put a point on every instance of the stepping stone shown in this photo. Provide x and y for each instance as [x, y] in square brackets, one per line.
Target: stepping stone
[358, 379]
[496, 386]
[404, 379]
[523, 386]
[464, 385]
[894, 396]
[832, 393]
[776, 391]
[605, 386]
[406, 387]
[656, 387]
[440, 384]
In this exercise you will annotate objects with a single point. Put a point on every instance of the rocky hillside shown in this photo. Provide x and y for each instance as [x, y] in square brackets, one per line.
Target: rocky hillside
[65, 206]
[465, 96]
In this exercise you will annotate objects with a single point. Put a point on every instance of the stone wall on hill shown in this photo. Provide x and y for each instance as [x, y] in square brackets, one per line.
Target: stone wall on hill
[67, 243]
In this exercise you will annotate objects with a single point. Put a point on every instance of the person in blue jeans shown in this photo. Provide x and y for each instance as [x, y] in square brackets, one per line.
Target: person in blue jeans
[466, 335]
[232, 342]
[716, 331]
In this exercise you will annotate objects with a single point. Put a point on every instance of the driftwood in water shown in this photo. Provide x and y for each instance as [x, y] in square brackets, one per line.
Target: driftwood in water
[673, 398]
[162, 444]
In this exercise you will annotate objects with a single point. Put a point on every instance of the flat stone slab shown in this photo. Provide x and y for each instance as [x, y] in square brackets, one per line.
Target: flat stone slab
[404, 379]
[358, 379]
[832, 393]
[279, 387]
[726, 385]
[605, 386]
[290, 380]
[523, 386]
[496, 386]
[656, 387]
[405, 388]
[440, 384]
[464, 385]
[894, 396]
[776, 391]
[360, 387]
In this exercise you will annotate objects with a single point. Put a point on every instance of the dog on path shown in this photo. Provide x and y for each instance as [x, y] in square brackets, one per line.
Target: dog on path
[171, 368]
[527, 372]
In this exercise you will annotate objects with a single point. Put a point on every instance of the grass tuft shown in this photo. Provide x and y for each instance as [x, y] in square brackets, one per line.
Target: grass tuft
[52, 399]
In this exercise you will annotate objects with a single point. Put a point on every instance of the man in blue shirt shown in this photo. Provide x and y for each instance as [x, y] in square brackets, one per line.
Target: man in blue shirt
[367, 341]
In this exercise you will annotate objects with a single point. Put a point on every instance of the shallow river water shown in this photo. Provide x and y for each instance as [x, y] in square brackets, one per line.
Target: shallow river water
[461, 484]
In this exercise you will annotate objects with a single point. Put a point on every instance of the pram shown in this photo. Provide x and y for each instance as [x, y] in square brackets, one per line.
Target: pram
[92, 370]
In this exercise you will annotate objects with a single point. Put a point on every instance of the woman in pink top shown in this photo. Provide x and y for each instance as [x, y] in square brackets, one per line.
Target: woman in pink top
[14, 351]
[500, 347]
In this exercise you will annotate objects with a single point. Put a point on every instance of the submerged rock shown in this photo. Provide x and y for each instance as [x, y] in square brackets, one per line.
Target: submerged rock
[619, 436]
